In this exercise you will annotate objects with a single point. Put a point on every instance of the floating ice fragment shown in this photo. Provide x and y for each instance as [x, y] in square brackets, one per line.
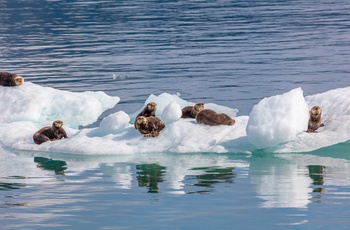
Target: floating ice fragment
[120, 77]
[335, 106]
[278, 119]
[277, 123]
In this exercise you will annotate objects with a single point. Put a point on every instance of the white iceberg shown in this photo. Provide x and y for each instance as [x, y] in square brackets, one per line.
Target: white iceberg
[335, 106]
[25, 109]
[42, 105]
[278, 119]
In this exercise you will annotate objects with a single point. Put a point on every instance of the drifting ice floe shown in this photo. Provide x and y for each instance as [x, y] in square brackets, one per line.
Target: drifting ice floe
[278, 119]
[335, 106]
[276, 123]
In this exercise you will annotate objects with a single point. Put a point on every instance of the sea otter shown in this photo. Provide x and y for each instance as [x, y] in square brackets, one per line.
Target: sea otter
[149, 126]
[9, 79]
[50, 133]
[210, 117]
[148, 111]
[315, 119]
[192, 111]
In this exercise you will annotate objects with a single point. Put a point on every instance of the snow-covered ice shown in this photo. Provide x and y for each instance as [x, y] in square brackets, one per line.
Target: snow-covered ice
[276, 123]
[278, 119]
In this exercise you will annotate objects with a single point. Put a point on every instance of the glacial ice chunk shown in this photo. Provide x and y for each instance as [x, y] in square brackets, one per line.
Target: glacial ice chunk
[278, 119]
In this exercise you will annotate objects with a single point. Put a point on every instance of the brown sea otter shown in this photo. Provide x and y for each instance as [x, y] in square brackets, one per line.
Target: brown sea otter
[148, 111]
[192, 111]
[149, 126]
[9, 79]
[50, 133]
[315, 119]
[210, 117]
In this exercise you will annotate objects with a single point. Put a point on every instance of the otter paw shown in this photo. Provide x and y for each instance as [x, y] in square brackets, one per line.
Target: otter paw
[155, 134]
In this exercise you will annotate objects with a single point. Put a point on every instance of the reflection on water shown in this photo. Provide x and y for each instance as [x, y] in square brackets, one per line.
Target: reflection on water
[149, 175]
[214, 175]
[240, 51]
[52, 165]
[280, 183]
[316, 173]
[279, 187]
[16, 204]
[120, 174]
[210, 176]
[12, 185]
[7, 184]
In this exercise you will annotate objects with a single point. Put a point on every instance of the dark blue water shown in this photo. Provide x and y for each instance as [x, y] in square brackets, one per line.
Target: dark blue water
[232, 53]
[229, 52]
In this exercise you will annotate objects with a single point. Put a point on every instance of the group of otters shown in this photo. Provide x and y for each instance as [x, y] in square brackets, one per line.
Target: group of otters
[146, 122]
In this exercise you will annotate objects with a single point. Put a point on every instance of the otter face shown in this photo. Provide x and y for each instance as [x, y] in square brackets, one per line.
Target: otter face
[57, 124]
[199, 106]
[19, 80]
[141, 120]
[315, 111]
[152, 106]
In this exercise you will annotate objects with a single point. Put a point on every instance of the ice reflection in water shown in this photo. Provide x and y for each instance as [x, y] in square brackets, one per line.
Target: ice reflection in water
[50, 184]
[279, 183]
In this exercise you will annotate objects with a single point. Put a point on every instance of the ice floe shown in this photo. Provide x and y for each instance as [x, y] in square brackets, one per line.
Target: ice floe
[278, 119]
[276, 124]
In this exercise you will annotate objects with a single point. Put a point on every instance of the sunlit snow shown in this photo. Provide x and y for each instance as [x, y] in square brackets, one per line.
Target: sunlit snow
[276, 123]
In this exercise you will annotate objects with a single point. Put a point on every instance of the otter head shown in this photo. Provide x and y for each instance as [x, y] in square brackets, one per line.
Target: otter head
[57, 124]
[315, 112]
[152, 106]
[199, 106]
[141, 120]
[19, 80]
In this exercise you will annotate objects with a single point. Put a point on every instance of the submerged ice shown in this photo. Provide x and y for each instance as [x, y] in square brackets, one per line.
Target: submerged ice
[276, 123]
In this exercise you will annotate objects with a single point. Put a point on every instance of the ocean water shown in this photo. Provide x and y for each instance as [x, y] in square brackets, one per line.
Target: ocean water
[229, 53]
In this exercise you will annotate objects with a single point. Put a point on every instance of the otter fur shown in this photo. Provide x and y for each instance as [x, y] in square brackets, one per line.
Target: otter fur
[149, 126]
[210, 117]
[192, 111]
[50, 133]
[148, 111]
[9, 79]
[315, 119]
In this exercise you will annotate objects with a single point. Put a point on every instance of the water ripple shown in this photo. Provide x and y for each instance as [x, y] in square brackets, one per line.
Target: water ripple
[178, 46]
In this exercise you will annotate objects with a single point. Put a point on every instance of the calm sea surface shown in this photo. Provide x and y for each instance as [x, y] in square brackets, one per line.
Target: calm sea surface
[232, 53]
